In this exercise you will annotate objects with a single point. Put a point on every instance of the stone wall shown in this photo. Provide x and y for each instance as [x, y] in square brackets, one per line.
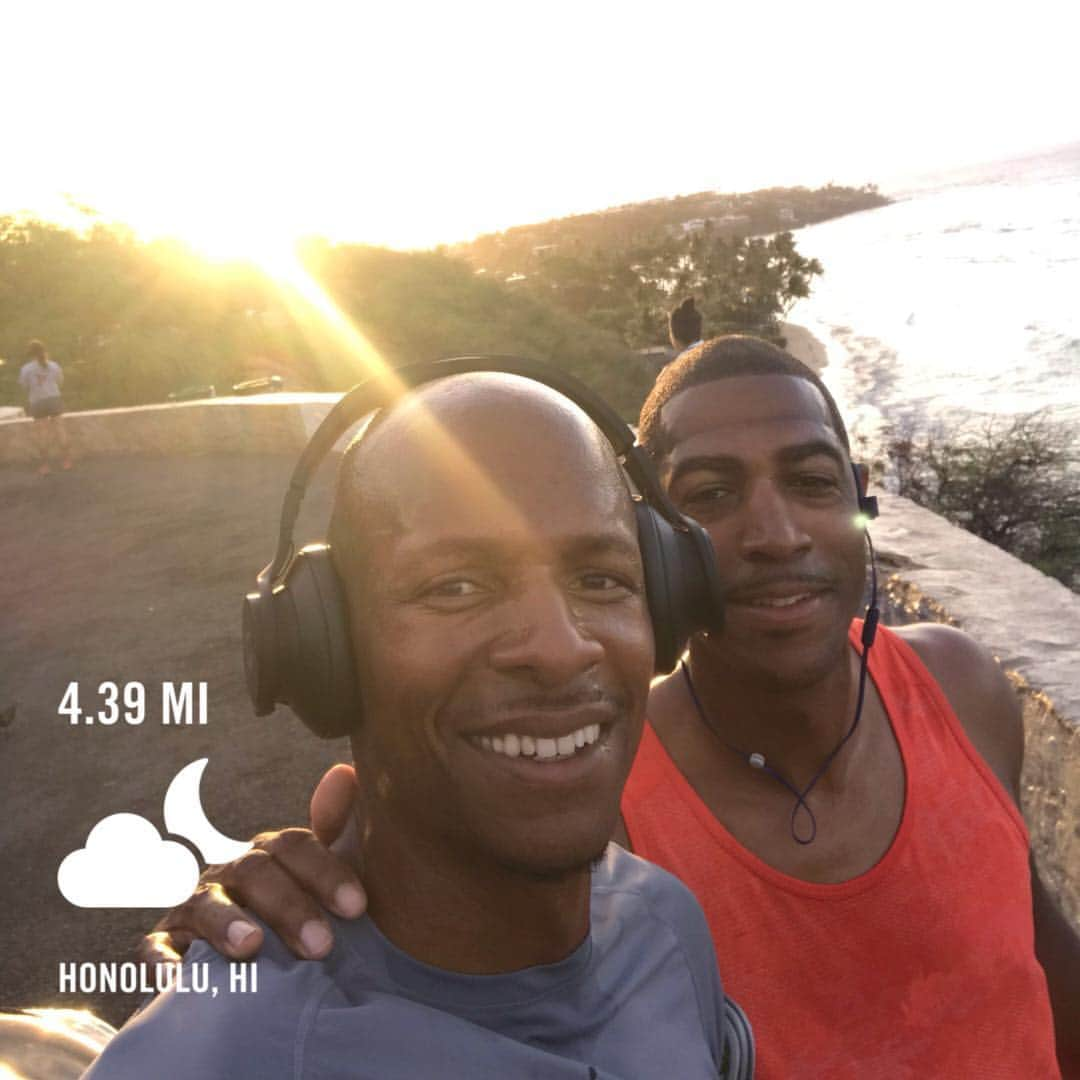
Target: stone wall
[1032, 624]
[1030, 621]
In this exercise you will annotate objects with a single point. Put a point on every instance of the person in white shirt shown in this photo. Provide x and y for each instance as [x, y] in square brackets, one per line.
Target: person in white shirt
[42, 379]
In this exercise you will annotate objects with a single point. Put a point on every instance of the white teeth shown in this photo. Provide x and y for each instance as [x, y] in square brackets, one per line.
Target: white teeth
[546, 748]
[563, 747]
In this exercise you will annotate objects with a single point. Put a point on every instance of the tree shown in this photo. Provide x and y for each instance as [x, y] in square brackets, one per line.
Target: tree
[743, 284]
[132, 322]
[1011, 480]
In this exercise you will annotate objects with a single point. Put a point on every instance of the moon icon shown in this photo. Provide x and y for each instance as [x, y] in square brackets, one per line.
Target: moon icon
[184, 816]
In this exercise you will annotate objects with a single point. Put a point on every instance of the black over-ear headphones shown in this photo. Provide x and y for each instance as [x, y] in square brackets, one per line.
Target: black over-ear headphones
[868, 506]
[297, 648]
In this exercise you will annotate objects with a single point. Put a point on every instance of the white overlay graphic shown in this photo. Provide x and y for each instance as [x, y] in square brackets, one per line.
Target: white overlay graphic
[126, 863]
[184, 816]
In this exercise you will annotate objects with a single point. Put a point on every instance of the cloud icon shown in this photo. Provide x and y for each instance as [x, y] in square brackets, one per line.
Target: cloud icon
[127, 864]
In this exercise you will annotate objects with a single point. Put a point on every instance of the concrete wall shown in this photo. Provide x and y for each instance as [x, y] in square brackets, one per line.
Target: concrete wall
[259, 424]
[1032, 624]
[1030, 621]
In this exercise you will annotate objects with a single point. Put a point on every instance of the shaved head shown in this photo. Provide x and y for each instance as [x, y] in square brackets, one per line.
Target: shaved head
[494, 435]
[487, 544]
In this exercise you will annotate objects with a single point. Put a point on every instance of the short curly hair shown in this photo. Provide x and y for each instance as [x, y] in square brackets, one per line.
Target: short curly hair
[719, 358]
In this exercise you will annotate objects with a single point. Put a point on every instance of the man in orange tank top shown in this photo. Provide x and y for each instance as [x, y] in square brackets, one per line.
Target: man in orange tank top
[855, 841]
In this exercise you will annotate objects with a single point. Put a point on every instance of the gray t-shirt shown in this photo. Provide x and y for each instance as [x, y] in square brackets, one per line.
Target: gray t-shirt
[640, 998]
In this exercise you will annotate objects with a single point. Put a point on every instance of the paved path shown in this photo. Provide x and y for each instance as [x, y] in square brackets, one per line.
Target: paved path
[129, 569]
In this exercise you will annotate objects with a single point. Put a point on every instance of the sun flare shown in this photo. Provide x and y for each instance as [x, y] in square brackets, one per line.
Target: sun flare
[261, 242]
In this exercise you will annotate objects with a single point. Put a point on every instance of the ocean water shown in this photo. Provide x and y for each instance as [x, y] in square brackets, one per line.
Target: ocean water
[959, 300]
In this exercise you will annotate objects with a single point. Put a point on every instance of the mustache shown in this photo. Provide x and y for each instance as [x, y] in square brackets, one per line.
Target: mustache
[559, 701]
[812, 578]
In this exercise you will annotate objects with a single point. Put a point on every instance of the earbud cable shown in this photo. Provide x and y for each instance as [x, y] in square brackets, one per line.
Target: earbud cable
[757, 761]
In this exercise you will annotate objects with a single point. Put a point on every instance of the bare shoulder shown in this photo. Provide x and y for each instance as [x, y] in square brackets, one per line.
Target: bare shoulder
[982, 697]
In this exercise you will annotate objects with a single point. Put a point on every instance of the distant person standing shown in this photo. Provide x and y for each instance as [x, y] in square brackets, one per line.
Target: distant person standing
[684, 325]
[42, 379]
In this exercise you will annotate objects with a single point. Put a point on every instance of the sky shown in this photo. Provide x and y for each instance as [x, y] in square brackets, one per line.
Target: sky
[237, 125]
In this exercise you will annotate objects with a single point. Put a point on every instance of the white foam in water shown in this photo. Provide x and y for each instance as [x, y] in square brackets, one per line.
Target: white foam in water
[962, 298]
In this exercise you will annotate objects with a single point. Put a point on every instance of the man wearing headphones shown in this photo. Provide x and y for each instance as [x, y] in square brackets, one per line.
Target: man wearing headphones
[844, 804]
[500, 632]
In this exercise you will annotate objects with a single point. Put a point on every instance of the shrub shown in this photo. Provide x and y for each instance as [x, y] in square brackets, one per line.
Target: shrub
[1014, 481]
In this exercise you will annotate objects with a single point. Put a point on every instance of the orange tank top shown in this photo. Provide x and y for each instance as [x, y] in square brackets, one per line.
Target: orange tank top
[924, 966]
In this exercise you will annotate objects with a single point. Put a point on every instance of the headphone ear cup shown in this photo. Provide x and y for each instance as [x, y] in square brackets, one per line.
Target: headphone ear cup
[868, 504]
[657, 584]
[317, 676]
[681, 583]
[259, 636]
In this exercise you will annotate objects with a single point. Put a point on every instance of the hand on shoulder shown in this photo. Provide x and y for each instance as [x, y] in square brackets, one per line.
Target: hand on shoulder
[286, 879]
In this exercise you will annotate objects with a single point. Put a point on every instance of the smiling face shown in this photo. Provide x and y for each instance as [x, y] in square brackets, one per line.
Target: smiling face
[756, 460]
[500, 627]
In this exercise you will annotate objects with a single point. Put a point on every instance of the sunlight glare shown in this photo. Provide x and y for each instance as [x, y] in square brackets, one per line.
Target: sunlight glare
[270, 248]
[306, 298]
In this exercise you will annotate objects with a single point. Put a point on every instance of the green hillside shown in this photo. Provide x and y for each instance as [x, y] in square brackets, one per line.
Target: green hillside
[132, 322]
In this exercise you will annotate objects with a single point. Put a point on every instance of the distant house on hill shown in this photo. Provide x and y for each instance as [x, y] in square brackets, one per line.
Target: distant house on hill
[733, 221]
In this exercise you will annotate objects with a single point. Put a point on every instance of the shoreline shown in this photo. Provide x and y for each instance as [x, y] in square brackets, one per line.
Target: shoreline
[804, 346]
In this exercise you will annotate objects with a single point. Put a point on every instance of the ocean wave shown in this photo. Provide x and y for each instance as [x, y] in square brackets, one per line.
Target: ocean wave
[959, 299]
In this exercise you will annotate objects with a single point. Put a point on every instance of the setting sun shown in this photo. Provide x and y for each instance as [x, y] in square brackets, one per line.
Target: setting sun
[233, 126]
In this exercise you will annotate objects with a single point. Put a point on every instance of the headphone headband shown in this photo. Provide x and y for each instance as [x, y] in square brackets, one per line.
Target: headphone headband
[297, 646]
[382, 392]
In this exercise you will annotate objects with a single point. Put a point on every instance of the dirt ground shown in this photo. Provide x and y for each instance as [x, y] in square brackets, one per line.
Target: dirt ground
[132, 570]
